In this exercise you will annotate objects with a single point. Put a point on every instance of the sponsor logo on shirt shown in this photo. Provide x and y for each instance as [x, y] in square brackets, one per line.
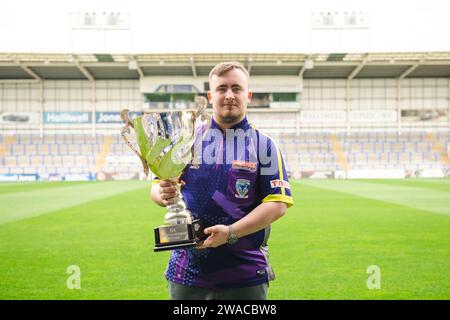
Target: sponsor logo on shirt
[279, 184]
[242, 188]
[238, 164]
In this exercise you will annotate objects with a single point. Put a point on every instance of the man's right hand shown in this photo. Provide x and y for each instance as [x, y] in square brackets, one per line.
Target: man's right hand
[168, 192]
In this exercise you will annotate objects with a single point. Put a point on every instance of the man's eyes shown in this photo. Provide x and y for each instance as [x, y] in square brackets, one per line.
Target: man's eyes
[224, 89]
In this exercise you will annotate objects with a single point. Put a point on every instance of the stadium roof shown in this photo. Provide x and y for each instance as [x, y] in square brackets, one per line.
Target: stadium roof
[23, 66]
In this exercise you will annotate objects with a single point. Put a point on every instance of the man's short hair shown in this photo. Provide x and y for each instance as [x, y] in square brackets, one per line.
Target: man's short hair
[223, 67]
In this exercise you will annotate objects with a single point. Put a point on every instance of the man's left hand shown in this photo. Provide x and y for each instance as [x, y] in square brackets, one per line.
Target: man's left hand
[218, 235]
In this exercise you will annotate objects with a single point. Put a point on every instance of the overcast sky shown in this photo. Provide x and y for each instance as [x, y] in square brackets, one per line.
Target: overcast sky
[225, 26]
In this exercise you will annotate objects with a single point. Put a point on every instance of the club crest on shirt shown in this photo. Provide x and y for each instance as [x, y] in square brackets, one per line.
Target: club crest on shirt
[279, 184]
[238, 164]
[242, 188]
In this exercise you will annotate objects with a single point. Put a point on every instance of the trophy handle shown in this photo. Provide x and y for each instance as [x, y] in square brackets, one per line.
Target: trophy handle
[201, 103]
[200, 112]
[126, 130]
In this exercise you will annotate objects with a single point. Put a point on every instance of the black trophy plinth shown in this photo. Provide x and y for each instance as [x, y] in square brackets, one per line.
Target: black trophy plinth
[183, 235]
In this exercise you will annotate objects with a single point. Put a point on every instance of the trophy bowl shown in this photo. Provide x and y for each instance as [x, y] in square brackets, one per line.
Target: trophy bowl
[166, 140]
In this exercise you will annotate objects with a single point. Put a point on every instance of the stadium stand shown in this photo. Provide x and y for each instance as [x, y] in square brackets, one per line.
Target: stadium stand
[342, 113]
[66, 154]
[373, 150]
[82, 153]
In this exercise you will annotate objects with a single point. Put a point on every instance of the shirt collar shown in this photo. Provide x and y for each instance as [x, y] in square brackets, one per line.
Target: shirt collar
[241, 125]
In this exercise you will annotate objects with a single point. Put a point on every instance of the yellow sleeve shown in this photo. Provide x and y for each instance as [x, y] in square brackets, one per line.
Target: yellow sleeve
[279, 198]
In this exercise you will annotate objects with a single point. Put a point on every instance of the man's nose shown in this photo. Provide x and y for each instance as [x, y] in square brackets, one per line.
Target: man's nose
[229, 94]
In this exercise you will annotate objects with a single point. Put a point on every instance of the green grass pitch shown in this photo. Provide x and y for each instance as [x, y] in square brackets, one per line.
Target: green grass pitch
[321, 249]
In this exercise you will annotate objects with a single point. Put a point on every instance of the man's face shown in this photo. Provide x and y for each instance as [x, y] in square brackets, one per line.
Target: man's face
[229, 96]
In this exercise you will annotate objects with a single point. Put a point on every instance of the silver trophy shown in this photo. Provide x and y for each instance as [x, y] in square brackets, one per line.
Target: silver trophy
[168, 141]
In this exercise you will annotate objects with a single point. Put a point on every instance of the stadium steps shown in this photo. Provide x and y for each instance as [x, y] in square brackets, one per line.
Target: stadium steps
[438, 148]
[4, 147]
[104, 151]
[339, 153]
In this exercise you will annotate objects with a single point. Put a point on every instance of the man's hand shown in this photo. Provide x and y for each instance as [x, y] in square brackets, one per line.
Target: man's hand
[218, 236]
[258, 219]
[168, 192]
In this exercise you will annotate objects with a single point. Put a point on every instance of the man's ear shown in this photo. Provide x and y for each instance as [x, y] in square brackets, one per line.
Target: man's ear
[209, 94]
[250, 96]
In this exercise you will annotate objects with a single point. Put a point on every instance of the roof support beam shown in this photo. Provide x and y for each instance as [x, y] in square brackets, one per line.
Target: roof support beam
[249, 65]
[358, 68]
[411, 69]
[194, 69]
[308, 63]
[136, 66]
[302, 70]
[28, 70]
[139, 70]
[83, 70]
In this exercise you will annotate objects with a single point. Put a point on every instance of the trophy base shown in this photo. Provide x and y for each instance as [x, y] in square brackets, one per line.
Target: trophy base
[184, 235]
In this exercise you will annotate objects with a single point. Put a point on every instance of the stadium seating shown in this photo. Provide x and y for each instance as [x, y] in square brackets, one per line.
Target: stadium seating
[311, 151]
[366, 150]
[64, 154]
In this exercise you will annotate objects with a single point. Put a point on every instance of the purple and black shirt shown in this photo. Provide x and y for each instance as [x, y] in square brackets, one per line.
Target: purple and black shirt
[235, 175]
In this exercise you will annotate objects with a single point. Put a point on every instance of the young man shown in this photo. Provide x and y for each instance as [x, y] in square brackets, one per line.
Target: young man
[239, 189]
